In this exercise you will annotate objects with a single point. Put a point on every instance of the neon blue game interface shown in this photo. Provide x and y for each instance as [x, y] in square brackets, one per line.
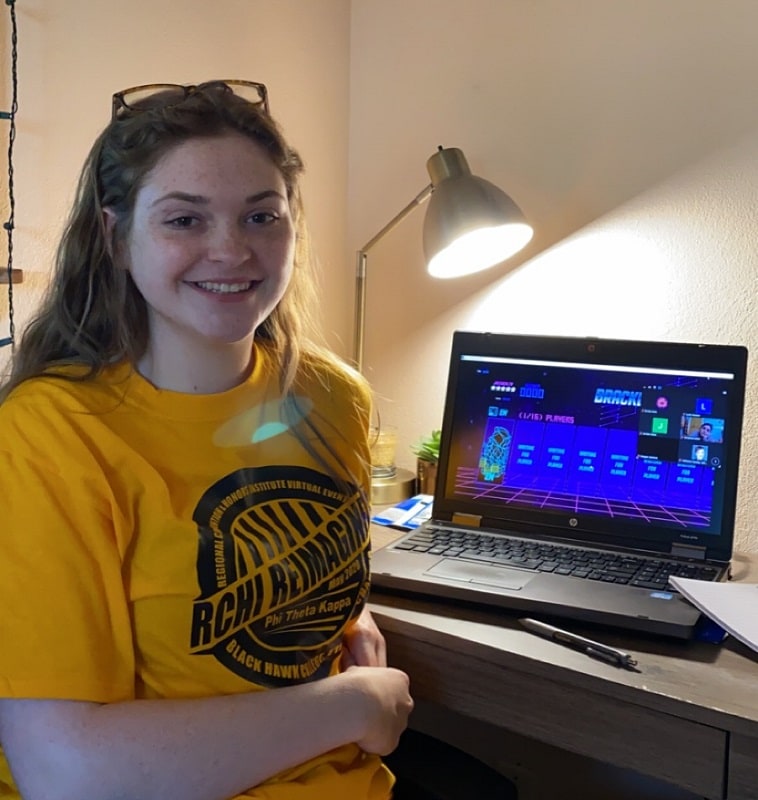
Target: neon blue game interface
[643, 445]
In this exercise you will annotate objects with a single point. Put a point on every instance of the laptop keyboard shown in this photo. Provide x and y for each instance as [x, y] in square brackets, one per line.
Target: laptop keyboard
[595, 565]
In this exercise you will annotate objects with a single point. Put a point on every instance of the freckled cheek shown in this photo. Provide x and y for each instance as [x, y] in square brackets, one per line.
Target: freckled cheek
[157, 265]
[285, 259]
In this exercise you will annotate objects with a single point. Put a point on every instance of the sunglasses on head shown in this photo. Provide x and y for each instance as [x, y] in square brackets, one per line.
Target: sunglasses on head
[138, 99]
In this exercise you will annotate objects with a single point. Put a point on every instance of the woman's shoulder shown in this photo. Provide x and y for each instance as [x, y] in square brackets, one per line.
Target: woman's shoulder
[66, 389]
[336, 375]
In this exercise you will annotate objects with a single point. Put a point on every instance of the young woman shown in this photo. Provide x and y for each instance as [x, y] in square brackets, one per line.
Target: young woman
[185, 487]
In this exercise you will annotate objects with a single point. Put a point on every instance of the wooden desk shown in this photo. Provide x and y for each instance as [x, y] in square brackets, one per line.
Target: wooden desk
[688, 717]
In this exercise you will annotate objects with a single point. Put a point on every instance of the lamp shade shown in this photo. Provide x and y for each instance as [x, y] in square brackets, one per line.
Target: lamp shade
[470, 224]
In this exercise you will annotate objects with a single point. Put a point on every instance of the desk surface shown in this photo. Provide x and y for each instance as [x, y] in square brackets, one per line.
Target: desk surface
[689, 716]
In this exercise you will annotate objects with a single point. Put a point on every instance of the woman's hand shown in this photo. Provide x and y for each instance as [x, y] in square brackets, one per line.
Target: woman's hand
[386, 700]
[363, 644]
[383, 704]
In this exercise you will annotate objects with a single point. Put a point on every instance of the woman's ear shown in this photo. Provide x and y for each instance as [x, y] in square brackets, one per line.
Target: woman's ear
[109, 228]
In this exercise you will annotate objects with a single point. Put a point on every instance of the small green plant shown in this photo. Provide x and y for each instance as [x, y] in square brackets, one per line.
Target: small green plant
[428, 447]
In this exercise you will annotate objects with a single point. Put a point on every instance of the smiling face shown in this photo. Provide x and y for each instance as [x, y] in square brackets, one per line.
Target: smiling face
[210, 248]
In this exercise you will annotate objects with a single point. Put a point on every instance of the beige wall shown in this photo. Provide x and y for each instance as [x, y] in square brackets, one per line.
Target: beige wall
[627, 132]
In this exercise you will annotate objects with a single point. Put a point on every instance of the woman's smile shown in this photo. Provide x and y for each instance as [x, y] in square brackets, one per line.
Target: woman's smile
[220, 287]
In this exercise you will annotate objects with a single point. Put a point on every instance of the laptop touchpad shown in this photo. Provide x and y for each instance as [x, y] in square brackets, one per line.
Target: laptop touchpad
[480, 573]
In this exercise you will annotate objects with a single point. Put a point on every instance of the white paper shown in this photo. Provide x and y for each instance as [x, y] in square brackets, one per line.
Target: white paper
[730, 605]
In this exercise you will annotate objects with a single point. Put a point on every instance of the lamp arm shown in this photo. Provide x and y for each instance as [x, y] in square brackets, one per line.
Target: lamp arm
[360, 275]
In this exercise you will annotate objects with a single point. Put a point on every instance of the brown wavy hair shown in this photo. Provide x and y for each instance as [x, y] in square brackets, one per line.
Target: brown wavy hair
[92, 314]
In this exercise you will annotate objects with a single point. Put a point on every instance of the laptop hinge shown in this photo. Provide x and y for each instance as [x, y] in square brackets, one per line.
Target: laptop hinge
[688, 551]
[472, 520]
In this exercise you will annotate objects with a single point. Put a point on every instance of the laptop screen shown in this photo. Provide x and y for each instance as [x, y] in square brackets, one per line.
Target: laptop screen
[599, 440]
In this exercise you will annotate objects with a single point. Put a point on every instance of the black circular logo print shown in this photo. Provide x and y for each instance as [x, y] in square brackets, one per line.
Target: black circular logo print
[282, 566]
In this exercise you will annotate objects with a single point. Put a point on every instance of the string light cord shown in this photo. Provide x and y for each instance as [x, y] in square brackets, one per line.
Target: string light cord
[10, 223]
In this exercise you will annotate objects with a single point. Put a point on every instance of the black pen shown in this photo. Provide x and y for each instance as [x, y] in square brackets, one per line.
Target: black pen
[587, 646]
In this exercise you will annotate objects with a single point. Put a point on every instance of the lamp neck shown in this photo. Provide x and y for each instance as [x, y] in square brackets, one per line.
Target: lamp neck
[360, 275]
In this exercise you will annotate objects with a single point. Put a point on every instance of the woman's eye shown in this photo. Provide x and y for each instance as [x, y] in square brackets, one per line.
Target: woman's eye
[182, 222]
[263, 217]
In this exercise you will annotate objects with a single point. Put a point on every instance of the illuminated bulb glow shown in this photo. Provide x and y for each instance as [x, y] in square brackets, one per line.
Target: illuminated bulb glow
[479, 249]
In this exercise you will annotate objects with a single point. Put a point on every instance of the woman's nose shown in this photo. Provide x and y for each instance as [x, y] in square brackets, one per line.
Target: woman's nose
[229, 243]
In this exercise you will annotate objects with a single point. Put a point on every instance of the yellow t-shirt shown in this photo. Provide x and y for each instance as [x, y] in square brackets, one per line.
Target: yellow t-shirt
[164, 545]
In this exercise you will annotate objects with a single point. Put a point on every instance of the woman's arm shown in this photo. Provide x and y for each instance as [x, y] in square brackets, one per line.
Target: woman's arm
[363, 643]
[196, 749]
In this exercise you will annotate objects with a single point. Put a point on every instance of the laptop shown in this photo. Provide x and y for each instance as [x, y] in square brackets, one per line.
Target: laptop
[575, 475]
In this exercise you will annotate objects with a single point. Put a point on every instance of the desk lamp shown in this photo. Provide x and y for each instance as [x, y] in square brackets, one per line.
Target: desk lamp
[470, 225]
